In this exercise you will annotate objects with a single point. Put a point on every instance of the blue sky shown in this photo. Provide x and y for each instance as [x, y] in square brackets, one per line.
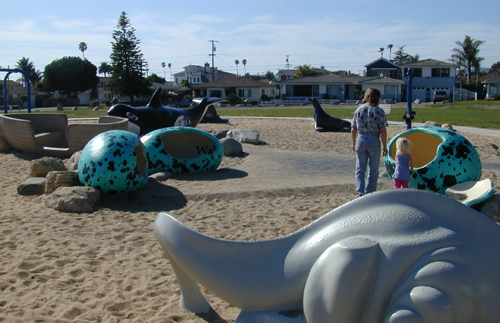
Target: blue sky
[340, 35]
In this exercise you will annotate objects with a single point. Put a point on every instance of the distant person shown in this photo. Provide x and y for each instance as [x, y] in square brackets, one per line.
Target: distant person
[368, 128]
[404, 164]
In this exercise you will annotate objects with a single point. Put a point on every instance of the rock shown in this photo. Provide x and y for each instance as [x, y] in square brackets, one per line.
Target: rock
[41, 167]
[32, 186]
[432, 124]
[231, 147]
[417, 101]
[219, 134]
[60, 107]
[75, 108]
[161, 176]
[73, 160]
[56, 179]
[447, 126]
[491, 208]
[244, 136]
[73, 199]
[498, 152]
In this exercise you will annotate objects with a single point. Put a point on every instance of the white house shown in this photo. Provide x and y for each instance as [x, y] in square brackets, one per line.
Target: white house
[430, 75]
[491, 82]
[246, 89]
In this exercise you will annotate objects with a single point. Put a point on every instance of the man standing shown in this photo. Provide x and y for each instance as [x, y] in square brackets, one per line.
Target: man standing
[368, 128]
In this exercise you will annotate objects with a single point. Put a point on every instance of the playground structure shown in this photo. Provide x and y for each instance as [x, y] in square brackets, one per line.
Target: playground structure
[324, 122]
[28, 87]
[50, 134]
[390, 256]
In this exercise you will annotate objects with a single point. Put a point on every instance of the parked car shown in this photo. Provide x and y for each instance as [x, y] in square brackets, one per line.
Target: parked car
[439, 96]
[186, 103]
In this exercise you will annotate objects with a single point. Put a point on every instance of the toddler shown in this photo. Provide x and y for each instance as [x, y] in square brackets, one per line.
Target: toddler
[403, 163]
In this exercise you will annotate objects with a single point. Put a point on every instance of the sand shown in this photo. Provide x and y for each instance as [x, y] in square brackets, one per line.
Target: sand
[107, 266]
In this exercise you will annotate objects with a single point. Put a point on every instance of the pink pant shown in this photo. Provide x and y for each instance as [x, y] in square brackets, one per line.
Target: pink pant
[400, 184]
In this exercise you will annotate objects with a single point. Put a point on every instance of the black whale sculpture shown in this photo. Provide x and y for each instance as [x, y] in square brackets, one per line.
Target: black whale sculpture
[156, 116]
[325, 122]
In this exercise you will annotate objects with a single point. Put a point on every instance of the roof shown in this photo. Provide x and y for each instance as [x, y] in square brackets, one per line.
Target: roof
[382, 61]
[491, 78]
[428, 63]
[239, 82]
[348, 79]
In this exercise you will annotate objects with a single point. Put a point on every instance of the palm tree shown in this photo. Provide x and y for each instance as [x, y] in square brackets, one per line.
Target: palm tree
[163, 65]
[25, 65]
[466, 55]
[83, 47]
[104, 68]
[381, 51]
[244, 61]
[389, 47]
[170, 68]
[236, 62]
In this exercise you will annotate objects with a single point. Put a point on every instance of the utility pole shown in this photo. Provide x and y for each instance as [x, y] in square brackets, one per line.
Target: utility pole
[212, 78]
[287, 65]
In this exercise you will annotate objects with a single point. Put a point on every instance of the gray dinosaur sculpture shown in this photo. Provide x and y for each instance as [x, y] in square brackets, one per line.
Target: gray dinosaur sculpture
[392, 256]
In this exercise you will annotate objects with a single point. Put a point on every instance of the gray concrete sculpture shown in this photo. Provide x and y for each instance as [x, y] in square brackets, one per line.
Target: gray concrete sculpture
[391, 256]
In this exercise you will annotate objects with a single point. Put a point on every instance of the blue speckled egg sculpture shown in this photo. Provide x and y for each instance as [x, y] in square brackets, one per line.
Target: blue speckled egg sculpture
[182, 150]
[114, 162]
[441, 158]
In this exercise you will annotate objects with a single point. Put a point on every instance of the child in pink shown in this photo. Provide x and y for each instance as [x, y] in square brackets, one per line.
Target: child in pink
[404, 164]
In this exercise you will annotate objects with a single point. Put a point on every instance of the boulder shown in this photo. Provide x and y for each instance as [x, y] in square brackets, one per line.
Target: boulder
[491, 208]
[447, 126]
[73, 161]
[56, 179]
[41, 167]
[432, 124]
[73, 199]
[250, 136]
[60, 107]
[32, 186]
[219, 134]
[231, 147]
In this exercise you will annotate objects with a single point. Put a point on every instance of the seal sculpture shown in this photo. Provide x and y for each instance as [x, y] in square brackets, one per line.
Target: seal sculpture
[391, 256]
[325, 122]
[155, 115]
[441, 158]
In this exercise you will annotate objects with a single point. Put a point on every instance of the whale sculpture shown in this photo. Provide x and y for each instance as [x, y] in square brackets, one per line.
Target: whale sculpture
[325, 122]
[391, 256]
[155, 115]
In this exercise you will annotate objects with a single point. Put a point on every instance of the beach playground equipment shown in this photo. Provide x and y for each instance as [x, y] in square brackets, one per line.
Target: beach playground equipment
[324, 122]
[114, 162]
[49, 134]
[390, 256]
[471, 193]
[441, 158]
[156, 116]
[182, 150]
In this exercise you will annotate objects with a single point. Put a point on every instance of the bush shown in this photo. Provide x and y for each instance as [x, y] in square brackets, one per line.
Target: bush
[94, 103]
[264, 97]
[233, 99]
[326, 96]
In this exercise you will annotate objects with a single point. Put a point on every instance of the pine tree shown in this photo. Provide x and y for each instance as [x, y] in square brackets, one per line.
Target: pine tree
[127, 62]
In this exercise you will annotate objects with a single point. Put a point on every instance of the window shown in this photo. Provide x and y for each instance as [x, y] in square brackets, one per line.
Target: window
[390, 90]
[493, 90]
[333, 88]
[216, 93]
[249, 93]
[241, 93]
[440, 72]
[417, 72]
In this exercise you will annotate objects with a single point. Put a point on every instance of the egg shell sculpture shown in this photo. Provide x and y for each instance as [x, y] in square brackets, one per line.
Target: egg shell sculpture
[182, 150]
[114, 162]
[441, 158]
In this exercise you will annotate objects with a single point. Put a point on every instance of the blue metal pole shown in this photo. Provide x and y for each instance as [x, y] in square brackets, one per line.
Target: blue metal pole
[28, 86]
[409, 113]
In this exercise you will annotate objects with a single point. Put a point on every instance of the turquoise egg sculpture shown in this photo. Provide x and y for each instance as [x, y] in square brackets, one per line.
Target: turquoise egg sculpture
[182, 150]
[114, 162]
[441, 158]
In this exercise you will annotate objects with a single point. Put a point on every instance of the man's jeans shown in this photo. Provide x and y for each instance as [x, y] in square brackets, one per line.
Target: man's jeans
[367, 155]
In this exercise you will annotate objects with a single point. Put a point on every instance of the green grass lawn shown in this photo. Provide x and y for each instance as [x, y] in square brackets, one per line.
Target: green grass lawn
[481, 114]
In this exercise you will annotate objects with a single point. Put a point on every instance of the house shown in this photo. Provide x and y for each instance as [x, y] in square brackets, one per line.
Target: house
[349, 87]
[491, 83]
[196, 74]
[14, 92]
[246, 89]
[430, 75]
[383, 67]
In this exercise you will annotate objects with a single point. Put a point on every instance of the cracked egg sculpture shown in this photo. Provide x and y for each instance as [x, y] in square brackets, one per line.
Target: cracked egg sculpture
[441, 158]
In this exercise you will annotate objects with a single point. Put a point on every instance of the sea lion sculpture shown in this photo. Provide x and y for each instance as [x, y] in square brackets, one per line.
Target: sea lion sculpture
[155, 115]
[391, 256]
[325, 122]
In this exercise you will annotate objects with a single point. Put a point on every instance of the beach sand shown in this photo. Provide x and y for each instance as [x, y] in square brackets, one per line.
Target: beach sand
[107, 266]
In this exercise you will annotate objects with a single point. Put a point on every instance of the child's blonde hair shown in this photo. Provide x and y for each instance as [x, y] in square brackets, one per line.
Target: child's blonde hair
[403, 146]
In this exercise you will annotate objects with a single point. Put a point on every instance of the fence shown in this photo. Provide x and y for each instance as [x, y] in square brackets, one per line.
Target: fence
[279, 102]
[463, 95]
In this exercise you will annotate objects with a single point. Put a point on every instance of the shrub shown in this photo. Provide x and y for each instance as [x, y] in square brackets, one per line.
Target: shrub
[94, 103]
[326, 96]
[233, 99]
[264, 97]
